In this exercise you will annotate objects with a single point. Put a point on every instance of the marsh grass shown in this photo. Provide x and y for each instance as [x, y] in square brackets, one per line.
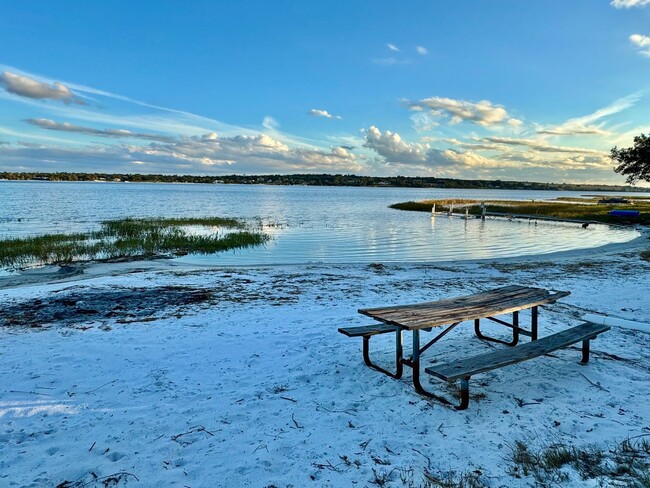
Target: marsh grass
[582, 209]
[131, 238]
[626, 464]
[136, 227]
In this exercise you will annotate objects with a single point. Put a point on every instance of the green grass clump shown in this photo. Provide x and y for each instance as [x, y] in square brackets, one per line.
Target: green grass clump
[130, 238]
[46, 248]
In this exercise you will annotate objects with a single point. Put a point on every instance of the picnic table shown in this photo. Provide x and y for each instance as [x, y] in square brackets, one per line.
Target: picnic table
[449, 313]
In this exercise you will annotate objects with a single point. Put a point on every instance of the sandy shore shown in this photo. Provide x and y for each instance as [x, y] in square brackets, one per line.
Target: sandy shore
[162, 374]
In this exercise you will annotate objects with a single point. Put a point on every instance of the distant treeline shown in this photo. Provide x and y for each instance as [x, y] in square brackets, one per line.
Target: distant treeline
[319, 180]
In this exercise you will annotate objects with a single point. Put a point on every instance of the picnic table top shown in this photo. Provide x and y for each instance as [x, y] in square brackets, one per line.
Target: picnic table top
[449, 311]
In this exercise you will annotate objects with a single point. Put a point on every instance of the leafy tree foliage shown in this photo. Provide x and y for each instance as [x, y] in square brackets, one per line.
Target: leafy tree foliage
[634, 162]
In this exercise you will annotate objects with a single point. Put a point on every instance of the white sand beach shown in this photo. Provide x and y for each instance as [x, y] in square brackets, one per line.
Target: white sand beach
[238, 376]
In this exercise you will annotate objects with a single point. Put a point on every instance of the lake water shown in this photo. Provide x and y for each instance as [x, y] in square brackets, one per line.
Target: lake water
[308, 224]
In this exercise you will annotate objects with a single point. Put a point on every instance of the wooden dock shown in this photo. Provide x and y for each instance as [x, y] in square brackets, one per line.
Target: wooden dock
[540, 217]
[510, 216]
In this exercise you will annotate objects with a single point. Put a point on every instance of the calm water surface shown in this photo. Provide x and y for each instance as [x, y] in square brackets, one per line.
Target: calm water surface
[308, 224]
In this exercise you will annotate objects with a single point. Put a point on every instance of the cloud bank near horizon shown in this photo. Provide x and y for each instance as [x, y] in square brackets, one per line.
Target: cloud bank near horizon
[108, 140]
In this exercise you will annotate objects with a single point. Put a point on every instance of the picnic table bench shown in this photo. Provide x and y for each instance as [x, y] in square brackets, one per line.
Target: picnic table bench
[450, 313]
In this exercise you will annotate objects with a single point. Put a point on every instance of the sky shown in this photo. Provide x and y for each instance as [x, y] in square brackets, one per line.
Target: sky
[485, 89]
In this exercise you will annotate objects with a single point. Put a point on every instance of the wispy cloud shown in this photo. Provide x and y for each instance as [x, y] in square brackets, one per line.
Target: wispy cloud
[25, 86]
[585, 125]
[114, 133]
[630, 3]
[269, 123]
[390, 61]
[423, 121]
[483, 113]
[392, 47]
[642, 43]
[572, 129]
[541, 146]
[159, 118]
[422, 51]
[323, 113]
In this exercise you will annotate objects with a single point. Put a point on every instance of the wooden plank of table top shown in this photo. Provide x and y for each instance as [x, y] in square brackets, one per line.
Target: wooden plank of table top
[479, 299]
[448, 306]
[424, 318]
[493, 302]
[436, 312]
[450, 303]
[464, 306]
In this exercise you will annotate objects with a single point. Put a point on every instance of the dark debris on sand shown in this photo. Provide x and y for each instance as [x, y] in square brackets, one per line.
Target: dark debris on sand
[73, 308]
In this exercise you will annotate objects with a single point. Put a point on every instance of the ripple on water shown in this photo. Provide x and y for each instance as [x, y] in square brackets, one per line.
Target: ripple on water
[308, 224]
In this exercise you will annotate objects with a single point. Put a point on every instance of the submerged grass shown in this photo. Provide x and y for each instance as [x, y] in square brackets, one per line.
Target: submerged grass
[135, 227]
[582, 209]
[131, 238]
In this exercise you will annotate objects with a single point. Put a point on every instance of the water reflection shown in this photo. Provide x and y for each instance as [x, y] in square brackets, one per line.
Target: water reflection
[308, 224]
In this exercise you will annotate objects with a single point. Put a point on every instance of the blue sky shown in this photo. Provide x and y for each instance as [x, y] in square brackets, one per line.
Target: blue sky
[535, 91]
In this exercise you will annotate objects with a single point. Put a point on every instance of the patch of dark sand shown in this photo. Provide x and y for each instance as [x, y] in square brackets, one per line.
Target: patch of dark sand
[76, 306]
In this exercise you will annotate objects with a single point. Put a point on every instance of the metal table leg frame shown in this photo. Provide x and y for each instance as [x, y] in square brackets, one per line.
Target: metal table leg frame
[464, 393]
[585, 351]
[415, 364]
[514, 326]
[399, 368]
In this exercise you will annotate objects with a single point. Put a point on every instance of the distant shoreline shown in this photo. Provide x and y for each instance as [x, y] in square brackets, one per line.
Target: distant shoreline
[320, 180]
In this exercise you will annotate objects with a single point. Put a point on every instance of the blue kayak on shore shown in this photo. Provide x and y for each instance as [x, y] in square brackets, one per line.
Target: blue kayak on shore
[624, 213]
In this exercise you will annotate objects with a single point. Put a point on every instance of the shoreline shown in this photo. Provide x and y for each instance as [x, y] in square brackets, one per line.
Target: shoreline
[247, 180]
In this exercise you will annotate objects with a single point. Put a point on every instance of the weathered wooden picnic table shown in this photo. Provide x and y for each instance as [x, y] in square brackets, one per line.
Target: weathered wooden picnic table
[449, 313]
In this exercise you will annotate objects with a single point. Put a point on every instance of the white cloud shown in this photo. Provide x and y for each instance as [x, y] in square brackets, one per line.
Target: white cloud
[260, 153]
[630, 3]
[392, 47]
[537, 159]
[116, 133]
[422, 51]
[393, 149]
[269, 123]
[208, 153]
[25, 86]
[642, 42]
[323, 113]
[482, 113]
